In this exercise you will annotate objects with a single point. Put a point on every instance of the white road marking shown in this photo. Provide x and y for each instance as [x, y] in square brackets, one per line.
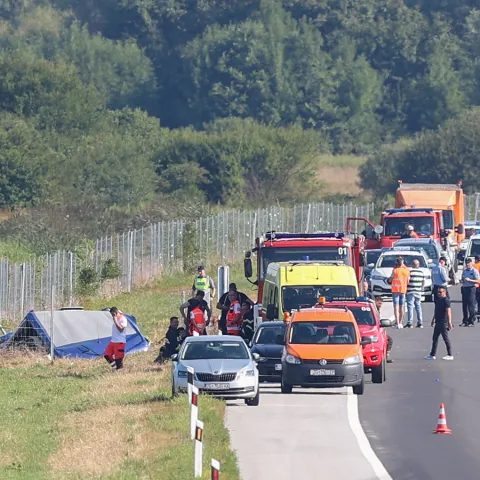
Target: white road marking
[362, 440]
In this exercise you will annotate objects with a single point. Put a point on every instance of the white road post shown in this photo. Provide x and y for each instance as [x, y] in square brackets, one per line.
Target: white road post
[198, 449]
[193, 411]
[215, 470]
[190, 377]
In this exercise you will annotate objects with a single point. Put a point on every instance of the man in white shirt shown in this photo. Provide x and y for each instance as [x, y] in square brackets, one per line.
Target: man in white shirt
[115, 351]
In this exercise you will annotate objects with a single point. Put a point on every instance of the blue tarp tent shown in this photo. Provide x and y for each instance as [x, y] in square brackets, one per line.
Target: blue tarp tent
[76, 333]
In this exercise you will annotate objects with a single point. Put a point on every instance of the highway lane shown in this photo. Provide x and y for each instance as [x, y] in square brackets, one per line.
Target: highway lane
[310, 434]
[400, 415]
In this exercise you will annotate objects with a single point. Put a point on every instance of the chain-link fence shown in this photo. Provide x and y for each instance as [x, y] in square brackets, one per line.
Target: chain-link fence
[119, 262]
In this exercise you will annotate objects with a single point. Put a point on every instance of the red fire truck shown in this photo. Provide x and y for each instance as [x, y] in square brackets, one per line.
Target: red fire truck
[288, 247]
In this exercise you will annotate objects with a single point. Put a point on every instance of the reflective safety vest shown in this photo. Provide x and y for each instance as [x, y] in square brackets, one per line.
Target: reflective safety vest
[202, 283]
[400, 279]
[233, 326]
[198, 316]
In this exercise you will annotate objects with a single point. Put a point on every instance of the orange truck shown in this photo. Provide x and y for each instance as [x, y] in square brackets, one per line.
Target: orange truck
[448, 198]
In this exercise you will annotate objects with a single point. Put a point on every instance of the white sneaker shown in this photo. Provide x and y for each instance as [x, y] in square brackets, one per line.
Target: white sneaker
[447, 357]
[430, 357]
[399, 325]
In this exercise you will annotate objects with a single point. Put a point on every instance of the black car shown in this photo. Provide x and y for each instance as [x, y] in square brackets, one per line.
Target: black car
[268, 342]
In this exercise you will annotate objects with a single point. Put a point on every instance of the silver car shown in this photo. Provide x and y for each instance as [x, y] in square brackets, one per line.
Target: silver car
[223, 365]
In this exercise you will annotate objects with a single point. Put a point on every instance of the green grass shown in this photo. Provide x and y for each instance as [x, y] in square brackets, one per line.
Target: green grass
[77, 420]
[15, 252]
[329, 160]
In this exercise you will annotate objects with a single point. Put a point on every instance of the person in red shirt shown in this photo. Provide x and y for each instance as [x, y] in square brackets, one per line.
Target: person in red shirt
[234, 315]
[197, 319]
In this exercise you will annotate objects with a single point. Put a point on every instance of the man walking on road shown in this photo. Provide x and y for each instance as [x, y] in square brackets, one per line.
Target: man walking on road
[415, 287]
[442, 321]
[470, 278]
[440, 277]
[399, 281]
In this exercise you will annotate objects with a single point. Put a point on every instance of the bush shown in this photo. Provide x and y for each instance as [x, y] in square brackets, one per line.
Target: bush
[110, 270]
[88, 281]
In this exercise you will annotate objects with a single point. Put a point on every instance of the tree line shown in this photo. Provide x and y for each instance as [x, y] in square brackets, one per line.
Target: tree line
[121, 103]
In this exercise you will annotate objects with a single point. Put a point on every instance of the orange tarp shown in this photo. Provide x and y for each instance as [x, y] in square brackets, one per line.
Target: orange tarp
[426, 199]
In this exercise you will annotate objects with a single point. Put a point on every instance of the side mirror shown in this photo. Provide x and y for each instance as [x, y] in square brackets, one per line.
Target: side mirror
[174, 357]
[247, 267]
[280, 340]
[385, 322]
[366, 341]
[271, 312]
[371, 265]
[378, 229]
[460, 229]
[255, 356]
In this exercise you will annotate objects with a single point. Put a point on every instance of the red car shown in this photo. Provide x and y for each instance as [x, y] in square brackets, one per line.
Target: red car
[370, 325]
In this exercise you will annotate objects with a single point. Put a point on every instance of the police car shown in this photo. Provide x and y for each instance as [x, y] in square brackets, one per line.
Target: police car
[386, 262]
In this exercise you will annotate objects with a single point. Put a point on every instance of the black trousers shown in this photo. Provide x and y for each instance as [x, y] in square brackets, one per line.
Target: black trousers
[468, 304]
[478, 300]
[440, 329]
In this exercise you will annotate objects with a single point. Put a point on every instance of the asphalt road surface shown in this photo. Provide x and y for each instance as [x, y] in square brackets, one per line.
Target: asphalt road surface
[315, 434]
[400, 415]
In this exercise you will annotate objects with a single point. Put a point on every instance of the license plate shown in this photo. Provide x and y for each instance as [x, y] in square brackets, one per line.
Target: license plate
[322, 372]
[217, 386]
[278, 366]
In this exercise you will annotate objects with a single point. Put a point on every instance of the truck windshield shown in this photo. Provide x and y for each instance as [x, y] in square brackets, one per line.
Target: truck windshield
[396, 226]
[389, 261]
[326, 332]
[290, 254]
[306, 296]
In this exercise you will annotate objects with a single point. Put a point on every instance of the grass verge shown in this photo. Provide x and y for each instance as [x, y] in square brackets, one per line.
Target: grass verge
[77, 420]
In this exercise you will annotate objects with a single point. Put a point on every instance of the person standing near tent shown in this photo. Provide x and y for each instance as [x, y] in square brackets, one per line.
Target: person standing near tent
[115, 351]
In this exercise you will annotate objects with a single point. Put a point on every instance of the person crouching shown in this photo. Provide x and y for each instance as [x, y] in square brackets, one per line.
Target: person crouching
[115, 351]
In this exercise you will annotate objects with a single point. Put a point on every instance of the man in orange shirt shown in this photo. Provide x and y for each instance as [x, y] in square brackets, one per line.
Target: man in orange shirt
[399, 281]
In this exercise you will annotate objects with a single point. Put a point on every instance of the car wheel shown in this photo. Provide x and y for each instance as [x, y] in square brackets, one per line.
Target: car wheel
[255, 401]
[378, 373]
[286, 387]
[359, 389]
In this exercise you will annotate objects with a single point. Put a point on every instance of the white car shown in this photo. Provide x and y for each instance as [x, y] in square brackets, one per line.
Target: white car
[386, 262]
[473, 247]
[223, 366]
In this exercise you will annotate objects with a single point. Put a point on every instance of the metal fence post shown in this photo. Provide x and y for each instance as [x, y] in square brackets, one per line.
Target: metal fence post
[52, 346]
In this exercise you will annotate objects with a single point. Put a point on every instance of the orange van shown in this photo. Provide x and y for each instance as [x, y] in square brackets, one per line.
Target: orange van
[323, 349]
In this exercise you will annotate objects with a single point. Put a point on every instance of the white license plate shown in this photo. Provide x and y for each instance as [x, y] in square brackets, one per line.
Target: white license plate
[217, 386]
[322, 372]
[278, 366]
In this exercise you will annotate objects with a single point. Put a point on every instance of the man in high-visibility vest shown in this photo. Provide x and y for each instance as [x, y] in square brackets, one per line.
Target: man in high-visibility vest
[399, 281]
[234, 315]
[204, 283]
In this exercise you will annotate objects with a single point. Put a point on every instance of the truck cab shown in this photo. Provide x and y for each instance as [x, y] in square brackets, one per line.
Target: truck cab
[427, 223]
[277, 247]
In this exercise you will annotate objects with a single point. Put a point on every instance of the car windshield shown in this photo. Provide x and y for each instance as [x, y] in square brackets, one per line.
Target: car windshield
[389, 261]
[372, 257]
[324, 332]
[209, 350]
[396, 226]
[430, 250]
[305, 296]
[363, 315]
[268, 335]
[474, 248]
[290, 254]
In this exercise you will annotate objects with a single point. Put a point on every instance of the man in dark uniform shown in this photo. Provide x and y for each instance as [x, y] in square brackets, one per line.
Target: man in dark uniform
[442, 321]
[248, 325]
[173, 339]
[224, 305]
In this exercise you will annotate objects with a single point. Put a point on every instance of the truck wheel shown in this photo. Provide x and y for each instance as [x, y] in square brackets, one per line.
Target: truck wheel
[359, 389]
[286, 387]
[378, 373]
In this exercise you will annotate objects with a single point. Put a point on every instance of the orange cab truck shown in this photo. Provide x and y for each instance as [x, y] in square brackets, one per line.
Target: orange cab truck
[448, 198]
[290, 247]
[426, 222]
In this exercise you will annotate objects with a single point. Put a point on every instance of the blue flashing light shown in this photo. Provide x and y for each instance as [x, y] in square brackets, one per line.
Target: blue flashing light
[409, 210]
[469, 223]
[306, 258]
[281, 236]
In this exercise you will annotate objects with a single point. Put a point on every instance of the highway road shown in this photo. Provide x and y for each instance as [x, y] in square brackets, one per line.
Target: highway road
[384, 434]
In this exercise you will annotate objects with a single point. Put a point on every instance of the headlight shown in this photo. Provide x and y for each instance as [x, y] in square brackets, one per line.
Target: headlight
[182, 374]
[377, 277]
[373, 340]
[245, 373]
[292, 360]
[352, 360]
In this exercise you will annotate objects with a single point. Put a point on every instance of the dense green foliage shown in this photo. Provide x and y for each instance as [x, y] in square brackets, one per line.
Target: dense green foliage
[121, 103]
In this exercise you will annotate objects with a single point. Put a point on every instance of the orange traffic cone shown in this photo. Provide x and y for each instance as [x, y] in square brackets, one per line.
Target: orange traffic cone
[442, 426]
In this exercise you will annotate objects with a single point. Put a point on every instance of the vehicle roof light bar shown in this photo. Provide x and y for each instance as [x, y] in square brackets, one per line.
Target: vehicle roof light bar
[409, 210]
[286, 235]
